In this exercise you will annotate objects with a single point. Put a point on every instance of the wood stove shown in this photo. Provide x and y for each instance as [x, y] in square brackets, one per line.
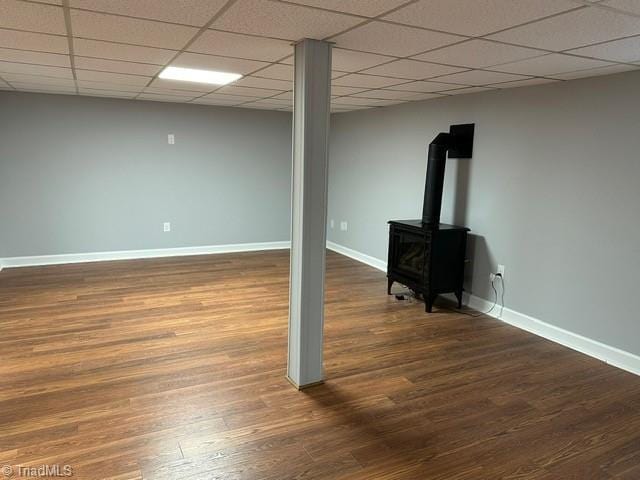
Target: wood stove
[429, 260]
[425, 255]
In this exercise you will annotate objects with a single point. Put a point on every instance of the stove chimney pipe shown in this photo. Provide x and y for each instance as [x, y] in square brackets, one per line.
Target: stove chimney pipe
[459, 143]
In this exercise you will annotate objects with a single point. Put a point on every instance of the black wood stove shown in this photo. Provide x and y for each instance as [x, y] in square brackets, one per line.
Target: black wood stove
[426, 255]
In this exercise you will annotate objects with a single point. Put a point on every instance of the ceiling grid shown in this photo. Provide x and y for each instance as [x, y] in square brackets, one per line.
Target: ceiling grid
[386, 51]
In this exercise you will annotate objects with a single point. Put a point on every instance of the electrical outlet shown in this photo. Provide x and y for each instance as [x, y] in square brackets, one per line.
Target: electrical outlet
[167, 226]
[171, 139]
[501, 270]
[332, 223]
[343, 226]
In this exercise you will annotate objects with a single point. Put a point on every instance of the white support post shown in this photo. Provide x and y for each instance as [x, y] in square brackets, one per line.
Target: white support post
[312, 93]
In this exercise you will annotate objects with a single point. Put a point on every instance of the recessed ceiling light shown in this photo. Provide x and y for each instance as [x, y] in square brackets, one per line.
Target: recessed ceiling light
[200, 76]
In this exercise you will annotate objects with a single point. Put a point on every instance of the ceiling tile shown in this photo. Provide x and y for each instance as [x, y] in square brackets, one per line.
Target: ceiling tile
[276, 105]
[35, 17]
[228, 98]
[573, 29]
[425, 96]
[214, 101]
[180, 85]
[476, 17]
[626, 50]
[117, 51]
[367, 81]
[282, 20]
[44, 87]
[480, 77]
[160, 98]
[422, 86]
[350, 61]
[276, 101]
[101, 26]
[105, 93]
[347, 108]
[366, 8]
[264, 83]
[213, 42]
[88, 84]
[224, 64]
[40, 58]
[412, 69]
[25, 68]
[288, 95]
[524, 83]
[37, 79]
[478, 54]
[116, 66]
[385, 38]
[464, 91]
[550, 64]
[189, 12]
[338, 90]
[247, 91]
[163, 98]
[596, 72]
[396, 95]
[629, 6]
[260, 106]
[277, 71]
[33, 41]
[172, 93]
[47, 90]
[372, 102]
[112, 77]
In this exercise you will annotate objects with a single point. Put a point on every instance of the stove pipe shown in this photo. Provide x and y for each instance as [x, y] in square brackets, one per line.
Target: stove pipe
[435, 179]
[459, 143]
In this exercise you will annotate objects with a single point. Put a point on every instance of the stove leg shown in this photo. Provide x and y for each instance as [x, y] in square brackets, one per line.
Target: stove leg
[428, 302]
[459, 297]
[389, 285]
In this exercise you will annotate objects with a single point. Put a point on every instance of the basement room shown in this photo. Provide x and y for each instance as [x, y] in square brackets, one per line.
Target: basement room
[319, 239]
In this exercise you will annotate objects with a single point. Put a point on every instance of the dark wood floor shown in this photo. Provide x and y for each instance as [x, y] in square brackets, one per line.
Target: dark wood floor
[174, 369]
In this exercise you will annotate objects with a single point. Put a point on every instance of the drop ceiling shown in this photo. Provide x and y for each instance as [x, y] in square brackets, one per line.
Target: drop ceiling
[386, 51]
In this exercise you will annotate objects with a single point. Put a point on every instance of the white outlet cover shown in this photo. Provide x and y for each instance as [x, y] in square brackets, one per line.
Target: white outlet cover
[332, 223]
[166, 226]
[171, 139]
[343, 226]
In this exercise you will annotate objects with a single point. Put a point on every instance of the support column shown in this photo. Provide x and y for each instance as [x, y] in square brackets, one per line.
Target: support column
[312, 93]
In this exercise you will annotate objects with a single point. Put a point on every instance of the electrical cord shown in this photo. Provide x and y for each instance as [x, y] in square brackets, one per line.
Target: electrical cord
[495, 301]
[502, 295]
[410, 294]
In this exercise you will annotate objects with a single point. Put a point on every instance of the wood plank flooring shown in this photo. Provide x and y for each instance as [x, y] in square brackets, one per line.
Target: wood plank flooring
[174, 369]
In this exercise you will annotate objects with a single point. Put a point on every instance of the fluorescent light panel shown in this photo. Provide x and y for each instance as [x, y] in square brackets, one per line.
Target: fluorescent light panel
[199, 76]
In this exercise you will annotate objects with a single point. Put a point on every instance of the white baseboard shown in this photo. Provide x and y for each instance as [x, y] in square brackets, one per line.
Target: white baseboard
[606, 353]
[361, 257]
[12, 262]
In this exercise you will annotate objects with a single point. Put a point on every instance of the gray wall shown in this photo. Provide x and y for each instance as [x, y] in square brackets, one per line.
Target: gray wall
[83, 174]
[552, 192]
